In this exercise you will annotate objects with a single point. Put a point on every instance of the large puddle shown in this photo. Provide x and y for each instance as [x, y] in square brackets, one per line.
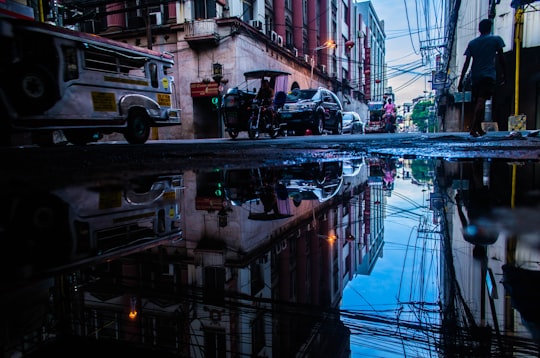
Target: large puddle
[353, 256]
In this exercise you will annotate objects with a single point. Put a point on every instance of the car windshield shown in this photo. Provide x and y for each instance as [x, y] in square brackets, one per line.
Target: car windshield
[298, 94]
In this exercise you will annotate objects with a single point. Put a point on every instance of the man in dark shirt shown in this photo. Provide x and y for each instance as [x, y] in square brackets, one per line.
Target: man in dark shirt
[483, 50]
[266, 93]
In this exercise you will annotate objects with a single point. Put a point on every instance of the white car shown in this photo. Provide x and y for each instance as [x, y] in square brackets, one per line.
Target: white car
[353, 123]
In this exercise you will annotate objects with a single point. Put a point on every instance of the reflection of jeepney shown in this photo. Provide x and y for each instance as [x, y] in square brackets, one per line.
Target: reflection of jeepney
[76, 223]
[376, 122]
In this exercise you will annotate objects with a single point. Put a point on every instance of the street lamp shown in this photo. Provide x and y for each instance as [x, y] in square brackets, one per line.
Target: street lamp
[327, 44]
[217, 71]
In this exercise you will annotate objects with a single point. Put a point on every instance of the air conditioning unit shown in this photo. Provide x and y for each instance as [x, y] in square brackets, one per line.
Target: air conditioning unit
[280, 41]
[306, 58]
[295, 51]
[256, 24]
[273, 36]
[155, 18]
[323, 68]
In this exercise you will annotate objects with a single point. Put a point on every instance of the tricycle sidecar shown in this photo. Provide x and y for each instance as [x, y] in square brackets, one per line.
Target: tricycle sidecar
[236, 110]
[241, 111]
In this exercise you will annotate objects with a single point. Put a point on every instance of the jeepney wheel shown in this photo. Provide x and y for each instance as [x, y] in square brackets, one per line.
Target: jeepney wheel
[138, 128]
[320, 124]
[253, 129]
[233, 133]
[35, 89]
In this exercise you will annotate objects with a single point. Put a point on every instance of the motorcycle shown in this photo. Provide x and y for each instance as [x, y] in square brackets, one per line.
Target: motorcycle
[242, 112]
[264, 119]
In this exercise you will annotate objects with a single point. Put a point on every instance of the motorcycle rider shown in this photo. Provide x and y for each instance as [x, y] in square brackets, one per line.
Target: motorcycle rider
[266, 93]
[390, 115]
[265, 98]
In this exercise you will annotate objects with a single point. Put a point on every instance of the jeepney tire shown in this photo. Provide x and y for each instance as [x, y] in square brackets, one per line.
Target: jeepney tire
[233, 133]
[138, 127]
[35, 89]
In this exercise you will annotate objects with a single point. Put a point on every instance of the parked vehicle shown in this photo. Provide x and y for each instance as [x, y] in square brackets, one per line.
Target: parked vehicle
[353, 123]
[376, 122]
[318, 110]
[241, 111]
[54, 78]
[236, 110]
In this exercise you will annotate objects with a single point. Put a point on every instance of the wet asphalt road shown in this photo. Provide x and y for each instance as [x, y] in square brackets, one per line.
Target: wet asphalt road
[68, 161]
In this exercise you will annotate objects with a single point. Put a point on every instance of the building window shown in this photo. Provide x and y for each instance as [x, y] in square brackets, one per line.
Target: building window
[214, 344]
[258, 335]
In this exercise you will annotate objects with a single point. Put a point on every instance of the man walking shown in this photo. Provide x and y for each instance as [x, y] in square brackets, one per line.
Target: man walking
[484, 50]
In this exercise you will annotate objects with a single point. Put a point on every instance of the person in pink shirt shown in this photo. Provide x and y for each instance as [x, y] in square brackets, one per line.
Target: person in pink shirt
[390, 115]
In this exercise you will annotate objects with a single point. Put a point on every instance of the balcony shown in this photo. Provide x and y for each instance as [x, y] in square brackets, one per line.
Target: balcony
[201, 33]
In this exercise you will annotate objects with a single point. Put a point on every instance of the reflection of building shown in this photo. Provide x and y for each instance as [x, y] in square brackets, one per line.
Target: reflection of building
[484, 239]
[374, 213]
[250, 287]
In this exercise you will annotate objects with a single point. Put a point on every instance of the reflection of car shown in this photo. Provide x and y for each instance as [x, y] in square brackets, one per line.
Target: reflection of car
[313, 181]
[318, 110]
[353, 123]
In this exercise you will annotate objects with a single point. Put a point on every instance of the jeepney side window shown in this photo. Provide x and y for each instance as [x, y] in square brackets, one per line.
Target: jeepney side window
[95, 59]
[132, 66]
[71, 66]
[153, 69]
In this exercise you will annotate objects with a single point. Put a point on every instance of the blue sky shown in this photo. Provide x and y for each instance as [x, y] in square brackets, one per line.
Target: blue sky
[408, 271]
[410, 48]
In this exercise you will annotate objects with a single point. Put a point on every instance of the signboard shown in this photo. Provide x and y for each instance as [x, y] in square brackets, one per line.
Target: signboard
[201, 89]
[438, 80]
[462, 97]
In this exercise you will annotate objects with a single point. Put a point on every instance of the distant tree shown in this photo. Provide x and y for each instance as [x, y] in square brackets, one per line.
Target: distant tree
[421, 115]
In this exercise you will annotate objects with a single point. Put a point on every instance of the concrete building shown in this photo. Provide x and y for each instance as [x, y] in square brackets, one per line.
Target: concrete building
[375, 52]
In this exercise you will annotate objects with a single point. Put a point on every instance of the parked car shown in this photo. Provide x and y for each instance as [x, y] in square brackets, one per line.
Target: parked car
[318, 110]
[353, 123]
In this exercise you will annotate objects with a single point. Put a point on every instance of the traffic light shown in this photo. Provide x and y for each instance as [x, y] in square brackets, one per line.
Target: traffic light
[219, 190]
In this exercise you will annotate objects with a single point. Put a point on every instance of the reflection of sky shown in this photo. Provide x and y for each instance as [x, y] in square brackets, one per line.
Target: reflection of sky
[408, 269]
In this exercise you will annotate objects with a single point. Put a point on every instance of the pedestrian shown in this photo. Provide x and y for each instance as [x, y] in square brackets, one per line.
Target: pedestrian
[484, 50]
[390, 115]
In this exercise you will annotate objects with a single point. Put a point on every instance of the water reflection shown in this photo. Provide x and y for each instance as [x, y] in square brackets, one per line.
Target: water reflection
[342, 257]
